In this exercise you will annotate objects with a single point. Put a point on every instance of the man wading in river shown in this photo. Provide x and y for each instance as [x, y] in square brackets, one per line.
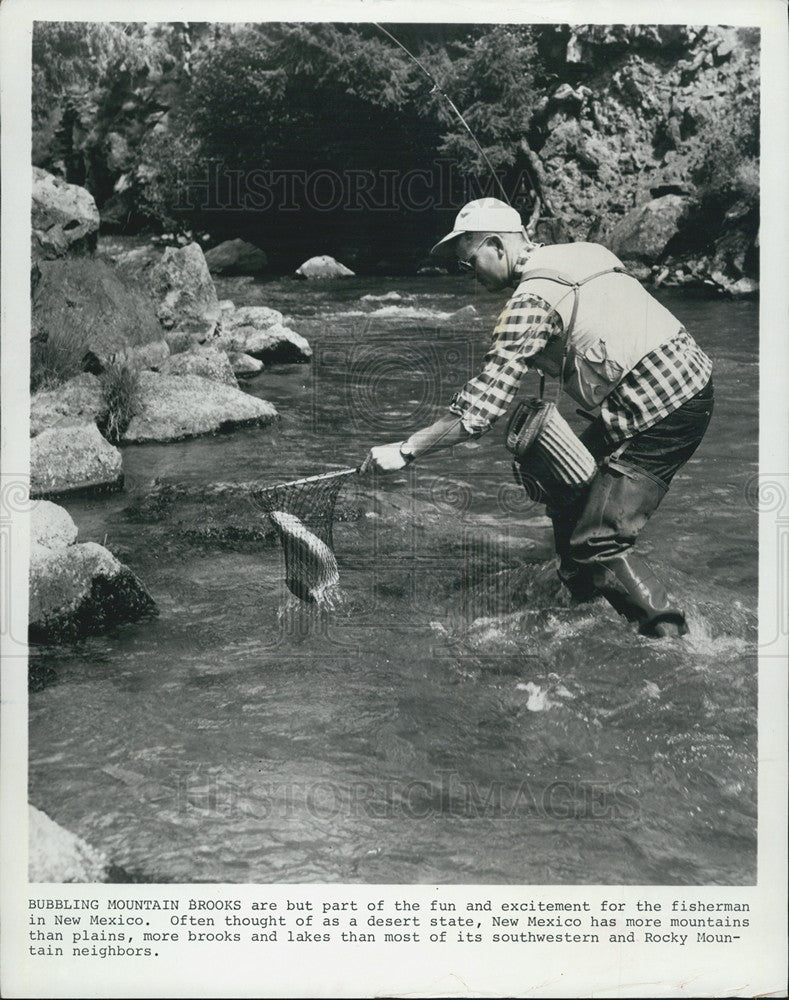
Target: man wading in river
[578, 316]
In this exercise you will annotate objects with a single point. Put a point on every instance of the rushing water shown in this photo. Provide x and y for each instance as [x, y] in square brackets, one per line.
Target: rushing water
[452, 719]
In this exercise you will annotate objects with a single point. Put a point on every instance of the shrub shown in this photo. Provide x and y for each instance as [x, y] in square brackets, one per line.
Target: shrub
[120, 383]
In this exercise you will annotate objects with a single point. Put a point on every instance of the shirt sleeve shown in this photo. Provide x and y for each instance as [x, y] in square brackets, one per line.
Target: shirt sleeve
[524, 327]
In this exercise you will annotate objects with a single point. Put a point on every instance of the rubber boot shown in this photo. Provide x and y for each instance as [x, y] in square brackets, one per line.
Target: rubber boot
[564, 508]
[620, 502]
[631, 587]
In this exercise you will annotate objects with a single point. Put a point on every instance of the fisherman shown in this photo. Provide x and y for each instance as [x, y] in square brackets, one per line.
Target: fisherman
[577, 315]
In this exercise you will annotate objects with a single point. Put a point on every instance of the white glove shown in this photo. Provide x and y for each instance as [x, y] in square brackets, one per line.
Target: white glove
[384, 458]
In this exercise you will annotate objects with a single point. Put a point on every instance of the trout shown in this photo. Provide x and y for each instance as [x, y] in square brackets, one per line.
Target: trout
[310, 565]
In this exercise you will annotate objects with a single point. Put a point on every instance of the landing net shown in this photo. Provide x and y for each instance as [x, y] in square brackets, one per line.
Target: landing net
[302, 511]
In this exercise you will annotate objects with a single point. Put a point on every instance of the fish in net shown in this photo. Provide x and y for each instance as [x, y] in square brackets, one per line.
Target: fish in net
[302, 511]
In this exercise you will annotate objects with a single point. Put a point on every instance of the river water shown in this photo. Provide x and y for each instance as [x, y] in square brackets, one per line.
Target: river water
[452, 720]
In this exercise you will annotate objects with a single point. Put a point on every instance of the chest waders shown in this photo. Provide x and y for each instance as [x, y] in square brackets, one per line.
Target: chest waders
[596, 525]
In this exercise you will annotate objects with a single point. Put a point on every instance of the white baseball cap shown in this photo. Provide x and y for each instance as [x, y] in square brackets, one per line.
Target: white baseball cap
[485, 215]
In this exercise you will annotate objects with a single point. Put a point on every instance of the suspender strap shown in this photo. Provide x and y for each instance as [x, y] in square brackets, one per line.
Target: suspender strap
[549, 274]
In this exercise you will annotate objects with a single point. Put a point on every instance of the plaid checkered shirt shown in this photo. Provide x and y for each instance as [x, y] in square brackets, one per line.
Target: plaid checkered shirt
[661, 381]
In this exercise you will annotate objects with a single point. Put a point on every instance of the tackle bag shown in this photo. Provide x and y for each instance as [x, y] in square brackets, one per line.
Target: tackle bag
[541, 439]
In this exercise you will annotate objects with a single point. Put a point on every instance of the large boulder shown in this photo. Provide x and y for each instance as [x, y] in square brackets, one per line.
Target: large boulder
[51, 526]
[76, 457]
[56, 855]
[643, 234]
[81, 590]
[174, 407]
[260, 332]
[64, 217]
[79, 400]
[187, 305]
[323, 267]
[88, 314]
[204, 360]
[236, 257]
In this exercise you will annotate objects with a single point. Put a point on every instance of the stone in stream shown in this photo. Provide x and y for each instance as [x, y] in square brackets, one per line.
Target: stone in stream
[467, 312]
[322, 268]
[174, 407]
[57, 855]
[277, 344]
[187, 304]
[81, 589]
[236, 257]
[71, 458]
[76, 589]
[260, 332]
[244, 365]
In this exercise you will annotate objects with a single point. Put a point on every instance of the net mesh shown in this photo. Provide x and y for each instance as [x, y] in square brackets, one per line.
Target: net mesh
[303, 513]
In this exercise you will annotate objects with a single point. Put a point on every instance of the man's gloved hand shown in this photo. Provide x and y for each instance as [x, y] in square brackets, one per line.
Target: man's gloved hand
[384, 458]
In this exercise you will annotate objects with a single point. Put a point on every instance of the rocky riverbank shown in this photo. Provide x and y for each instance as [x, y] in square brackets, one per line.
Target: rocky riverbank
[128, 347]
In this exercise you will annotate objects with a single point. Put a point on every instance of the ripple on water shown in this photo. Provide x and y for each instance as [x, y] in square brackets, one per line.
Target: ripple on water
[455, 705]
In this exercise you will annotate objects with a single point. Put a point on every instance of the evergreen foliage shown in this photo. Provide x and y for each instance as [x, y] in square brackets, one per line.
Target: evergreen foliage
[141, 114]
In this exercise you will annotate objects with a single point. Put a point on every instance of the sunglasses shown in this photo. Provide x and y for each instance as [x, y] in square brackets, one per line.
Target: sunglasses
[468, 266]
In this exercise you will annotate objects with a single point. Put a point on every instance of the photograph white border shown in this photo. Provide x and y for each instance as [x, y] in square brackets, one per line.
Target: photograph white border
[447, 970]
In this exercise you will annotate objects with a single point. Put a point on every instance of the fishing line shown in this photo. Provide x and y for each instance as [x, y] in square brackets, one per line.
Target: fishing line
[450, 102]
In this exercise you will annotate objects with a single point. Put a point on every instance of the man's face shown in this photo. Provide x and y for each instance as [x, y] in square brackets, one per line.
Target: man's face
[486, 259]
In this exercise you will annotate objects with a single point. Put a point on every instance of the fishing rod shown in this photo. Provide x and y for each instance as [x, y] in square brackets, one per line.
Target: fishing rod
[450, 102]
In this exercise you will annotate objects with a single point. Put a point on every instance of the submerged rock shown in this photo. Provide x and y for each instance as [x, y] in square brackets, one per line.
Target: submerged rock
[73, 458]
[467, 312]
[174, 407]
[81, 589]
[187, 304]
[204, 360]
[79, 400]
[64, 217]
[323, 267]
[644, 232]
[57, 855]
[236, 257]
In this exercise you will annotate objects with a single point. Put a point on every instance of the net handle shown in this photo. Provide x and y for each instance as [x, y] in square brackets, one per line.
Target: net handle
[315, 479]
